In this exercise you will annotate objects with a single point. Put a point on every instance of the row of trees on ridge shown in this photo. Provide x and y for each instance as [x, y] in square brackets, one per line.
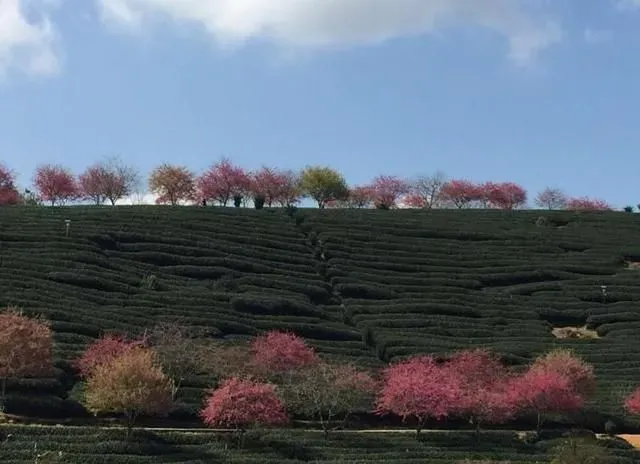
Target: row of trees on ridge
[278, 374]
[225, 183]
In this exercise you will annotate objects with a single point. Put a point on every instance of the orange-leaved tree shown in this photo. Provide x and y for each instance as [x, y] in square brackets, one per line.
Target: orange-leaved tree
[132, 384]
[25, 348]
[102, 351]
[172, 184]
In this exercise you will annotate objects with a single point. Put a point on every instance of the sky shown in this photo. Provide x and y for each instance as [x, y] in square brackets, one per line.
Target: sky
[538, 92]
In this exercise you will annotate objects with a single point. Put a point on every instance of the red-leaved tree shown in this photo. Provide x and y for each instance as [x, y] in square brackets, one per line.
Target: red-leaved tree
[240, 404]
[544, 392]
[102, 351]
[278, 352]
[504, 195]
[551, 198]
[223, 182]
[8, 192]
[419, 388]
[387, 190]
[587, 204]
[56, 184]
[460, 192]
[484, 394]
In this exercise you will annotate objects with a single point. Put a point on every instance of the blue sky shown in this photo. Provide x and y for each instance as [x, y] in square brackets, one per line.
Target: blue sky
[538, 92]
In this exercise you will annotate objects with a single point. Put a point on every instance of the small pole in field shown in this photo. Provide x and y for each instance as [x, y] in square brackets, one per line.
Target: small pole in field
[67, 223]
[603, 288]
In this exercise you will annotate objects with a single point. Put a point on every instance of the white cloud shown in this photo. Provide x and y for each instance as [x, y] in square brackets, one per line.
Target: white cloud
[627, 4]
[336, 23]
[27, 37]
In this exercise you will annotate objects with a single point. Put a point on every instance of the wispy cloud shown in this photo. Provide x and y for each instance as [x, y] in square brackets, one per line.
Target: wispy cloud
[313, 24]
[27, 37]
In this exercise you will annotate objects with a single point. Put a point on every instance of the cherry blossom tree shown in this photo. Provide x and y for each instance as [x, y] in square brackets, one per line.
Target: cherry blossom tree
[587, 204]
[131, 383]
[544, 392]
[632, 402]
[551, 198]
[387, 190]
[505, 195]
[241, 404]
[275, 186]
[419, 388]
[56, 184]
[324, 391]
[424, 190]
[565, 362]
[278, 352]
[460, 192]
[484, 394]
[91, 183]
[102, 351]
[109, 180]
[223, 182]
[25, 348]
[172, 184]
[8, 192]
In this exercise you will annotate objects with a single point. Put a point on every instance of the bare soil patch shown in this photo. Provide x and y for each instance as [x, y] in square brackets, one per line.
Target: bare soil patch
[633, 265]
[580, 333]
[633, 440]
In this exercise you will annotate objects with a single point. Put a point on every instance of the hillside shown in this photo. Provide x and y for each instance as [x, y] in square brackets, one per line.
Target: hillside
[364, 285]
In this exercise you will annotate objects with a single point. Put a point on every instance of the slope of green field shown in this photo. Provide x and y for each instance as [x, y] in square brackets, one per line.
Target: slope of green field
[367, 286]
[94, 446]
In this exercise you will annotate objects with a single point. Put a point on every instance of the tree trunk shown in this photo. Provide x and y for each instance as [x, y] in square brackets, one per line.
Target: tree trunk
[477, 424]
[3, 388]
[539, 422]
[131, 417]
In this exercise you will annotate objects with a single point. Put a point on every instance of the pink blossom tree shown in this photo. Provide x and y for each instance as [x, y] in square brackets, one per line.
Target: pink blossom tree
[56, 184]
[240, 404]
[8, 192]
[484, 394]
[419, 388]
[632, 402]
[223, 182]
[278, 352]
[544, 392]
[587, 204]
[460, 193]
[505, 195]
[387, 190]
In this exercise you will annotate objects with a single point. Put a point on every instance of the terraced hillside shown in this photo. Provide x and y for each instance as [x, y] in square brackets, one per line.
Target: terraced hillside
[369, 286]
[92, 446]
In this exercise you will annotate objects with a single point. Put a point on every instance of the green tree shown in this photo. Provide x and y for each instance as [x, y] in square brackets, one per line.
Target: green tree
[323, 184]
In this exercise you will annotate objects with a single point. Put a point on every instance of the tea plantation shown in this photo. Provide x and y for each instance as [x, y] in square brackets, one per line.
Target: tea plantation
[93, 446]
[361, 285]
